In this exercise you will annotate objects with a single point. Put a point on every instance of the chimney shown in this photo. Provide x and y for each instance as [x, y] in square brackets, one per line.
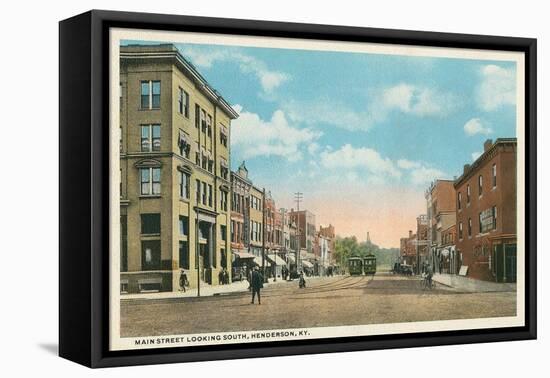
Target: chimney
[410, 234]
[466, 167]
[488, 143]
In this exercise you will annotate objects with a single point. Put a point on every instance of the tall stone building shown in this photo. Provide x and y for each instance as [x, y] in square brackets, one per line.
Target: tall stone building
[486, 214]
[175, 184]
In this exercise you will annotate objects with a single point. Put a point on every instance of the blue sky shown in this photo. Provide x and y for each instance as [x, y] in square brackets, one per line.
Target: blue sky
[327, 123]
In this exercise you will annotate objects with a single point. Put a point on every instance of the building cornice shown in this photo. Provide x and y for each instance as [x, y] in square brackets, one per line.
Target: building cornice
[171, 52]
[487, 155]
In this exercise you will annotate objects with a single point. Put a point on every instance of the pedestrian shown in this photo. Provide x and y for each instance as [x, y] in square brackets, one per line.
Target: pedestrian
[220, 277]
[183, 280]
[257, 282]
[225, 276]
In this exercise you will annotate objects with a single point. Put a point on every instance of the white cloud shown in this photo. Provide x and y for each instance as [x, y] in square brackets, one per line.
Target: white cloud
[476, 126]
[313, 148]
[269, 79]
[359, 158]
[328, 111]
[276, 137]
[424, 175]
[497, 88]
[420, 101]
[408, 164]
[420, 173]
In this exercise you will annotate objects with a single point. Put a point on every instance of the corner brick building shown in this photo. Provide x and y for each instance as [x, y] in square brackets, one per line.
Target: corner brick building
[486, 213]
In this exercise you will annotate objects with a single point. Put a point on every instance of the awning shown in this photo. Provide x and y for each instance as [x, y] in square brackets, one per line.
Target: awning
[307, 264]
[292, 259]
[258, 261]
[277, 260]
[243, 254]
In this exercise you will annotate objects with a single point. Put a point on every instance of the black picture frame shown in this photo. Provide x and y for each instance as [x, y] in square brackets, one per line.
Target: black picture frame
[84, 187]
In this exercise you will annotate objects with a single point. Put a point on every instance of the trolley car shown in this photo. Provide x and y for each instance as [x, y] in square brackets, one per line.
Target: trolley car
[369, 265]
[358, 266]
[355, 266]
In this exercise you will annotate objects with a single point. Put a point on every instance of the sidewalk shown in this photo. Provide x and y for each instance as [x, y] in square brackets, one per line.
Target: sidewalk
[471, 285]
[205, 289]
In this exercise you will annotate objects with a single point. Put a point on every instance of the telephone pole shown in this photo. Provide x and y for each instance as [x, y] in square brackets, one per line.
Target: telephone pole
[298, 197]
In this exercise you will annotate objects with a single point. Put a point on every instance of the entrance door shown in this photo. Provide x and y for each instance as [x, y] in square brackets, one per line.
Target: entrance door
[510, 260]
[498, 262]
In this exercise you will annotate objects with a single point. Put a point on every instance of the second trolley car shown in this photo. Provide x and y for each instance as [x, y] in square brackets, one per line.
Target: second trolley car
[362, 265]
[369, 265]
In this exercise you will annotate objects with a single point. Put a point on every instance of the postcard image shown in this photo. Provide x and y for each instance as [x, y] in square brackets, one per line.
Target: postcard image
[272, 189]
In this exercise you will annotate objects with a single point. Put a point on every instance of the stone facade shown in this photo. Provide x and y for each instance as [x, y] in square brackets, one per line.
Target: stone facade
[174, 159]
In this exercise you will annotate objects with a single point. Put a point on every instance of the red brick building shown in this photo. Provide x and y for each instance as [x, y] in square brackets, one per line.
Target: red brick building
[486, 213]
[408, 249]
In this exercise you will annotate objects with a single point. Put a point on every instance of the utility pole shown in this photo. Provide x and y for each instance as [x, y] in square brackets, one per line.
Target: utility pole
[298, 197]
[263, 235]
[197, 255]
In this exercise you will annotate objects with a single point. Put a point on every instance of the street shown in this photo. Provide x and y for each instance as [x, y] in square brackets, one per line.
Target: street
[330, 301]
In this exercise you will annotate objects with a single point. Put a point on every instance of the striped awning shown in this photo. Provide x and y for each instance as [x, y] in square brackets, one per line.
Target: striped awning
[277, 260]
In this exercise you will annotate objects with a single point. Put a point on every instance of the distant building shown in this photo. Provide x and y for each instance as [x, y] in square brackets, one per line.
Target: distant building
[441, 215]
[421, 242]
[240, 221]
[305, 222]
[486, 213]
[407, 250]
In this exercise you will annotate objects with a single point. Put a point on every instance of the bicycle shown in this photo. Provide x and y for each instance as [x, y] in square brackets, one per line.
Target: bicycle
[427, 283]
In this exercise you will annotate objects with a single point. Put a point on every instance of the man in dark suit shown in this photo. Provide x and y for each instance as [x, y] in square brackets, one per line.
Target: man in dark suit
[257, 282]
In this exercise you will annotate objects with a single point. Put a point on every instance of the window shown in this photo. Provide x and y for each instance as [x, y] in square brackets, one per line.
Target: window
[203, 120]
[183, 144]
[150, 94]
[209, 125]
[204, 193]
[469, 226]
[480, 184]
[232, 231]
[223, 231]
[150, 138]
[480, 223]
[183, 103]
[198, 188]
[150, 181]
[210, 165]
[150, 223]
[184, 184]
[468, 194]
[223, 200]
[460, 231]
[494, 217]
[184, 225]
[197, 115]
[459, 202]
[210, 195]
[197, 154]
[120, 96]
[150, 255]
[123, 243]
[184, 254]
[494, 175]
[223, 135]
